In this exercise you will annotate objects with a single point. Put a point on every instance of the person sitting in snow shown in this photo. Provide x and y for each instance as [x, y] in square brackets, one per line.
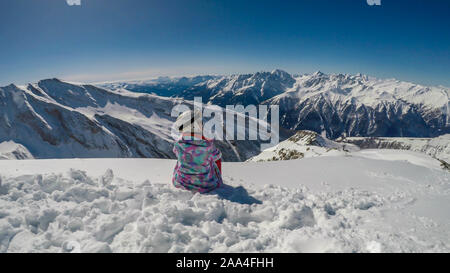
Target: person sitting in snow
[198, 166]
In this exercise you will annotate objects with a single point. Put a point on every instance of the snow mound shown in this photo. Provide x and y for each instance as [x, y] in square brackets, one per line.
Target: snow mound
[74, 211]
[304, 144]
[11, 150]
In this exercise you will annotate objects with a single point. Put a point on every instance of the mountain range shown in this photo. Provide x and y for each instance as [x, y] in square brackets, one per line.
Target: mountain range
[57, 119]
[334, 105]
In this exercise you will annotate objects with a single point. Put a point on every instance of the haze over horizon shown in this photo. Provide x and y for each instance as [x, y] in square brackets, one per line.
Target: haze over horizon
[175, 76]
[110, 40]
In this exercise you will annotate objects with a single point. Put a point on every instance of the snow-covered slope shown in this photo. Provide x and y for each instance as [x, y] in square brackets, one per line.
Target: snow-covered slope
[438, 147]
[301, 145]
[305, 144]
[12, 150]
[366, 201]
[364, 106]
[56, 119]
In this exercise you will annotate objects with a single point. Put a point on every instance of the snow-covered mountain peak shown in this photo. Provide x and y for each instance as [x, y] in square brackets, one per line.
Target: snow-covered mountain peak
[11, 150]
[318, 73]
[10, 86]
[281, 73]
[303, 144]
[242, 88]
[306, 137]
[57, 80]
[364, 90]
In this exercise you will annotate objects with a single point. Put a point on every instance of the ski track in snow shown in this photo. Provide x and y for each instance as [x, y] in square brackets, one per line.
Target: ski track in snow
[73, 210]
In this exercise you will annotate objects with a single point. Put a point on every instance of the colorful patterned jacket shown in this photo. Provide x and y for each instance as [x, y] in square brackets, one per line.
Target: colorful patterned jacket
[196, 169]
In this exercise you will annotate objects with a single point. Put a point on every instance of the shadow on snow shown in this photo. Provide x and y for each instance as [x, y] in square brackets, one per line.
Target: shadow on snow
[235, 194]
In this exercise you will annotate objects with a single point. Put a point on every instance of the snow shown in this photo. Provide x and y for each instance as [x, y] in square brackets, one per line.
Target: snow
[407, 156]
[11, 150]
[154, 124]
[438, 147]
[336, 198]
[363, 201]
[55, 119]
[367, 90]
[304, 144]
[339, 104]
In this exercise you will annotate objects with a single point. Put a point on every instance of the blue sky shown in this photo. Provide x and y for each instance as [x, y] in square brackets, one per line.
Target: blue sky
[103, 40]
